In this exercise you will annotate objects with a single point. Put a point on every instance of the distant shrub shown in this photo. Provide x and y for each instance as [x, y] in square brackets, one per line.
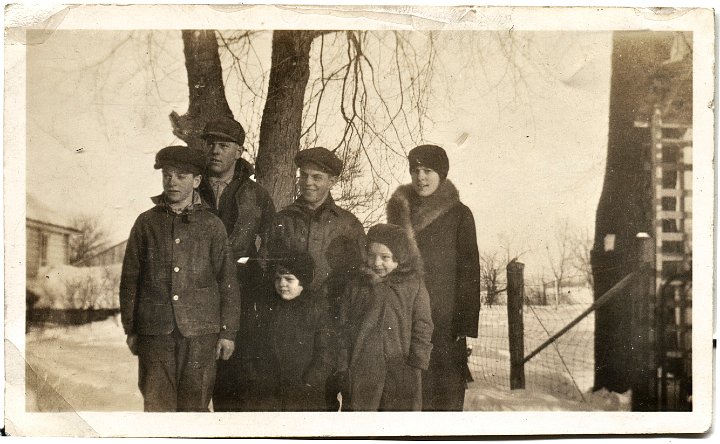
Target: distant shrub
[67, 287]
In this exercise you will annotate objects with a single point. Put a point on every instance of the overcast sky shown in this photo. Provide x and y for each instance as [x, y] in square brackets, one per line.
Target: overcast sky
[532, 153]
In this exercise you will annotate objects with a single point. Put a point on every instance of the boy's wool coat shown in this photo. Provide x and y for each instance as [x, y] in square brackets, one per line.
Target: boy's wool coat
[178, 272]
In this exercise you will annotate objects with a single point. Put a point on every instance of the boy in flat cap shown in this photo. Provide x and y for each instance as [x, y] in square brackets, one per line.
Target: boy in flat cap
[247, 211]
[444, 229]
[333, 237]
[179, 296]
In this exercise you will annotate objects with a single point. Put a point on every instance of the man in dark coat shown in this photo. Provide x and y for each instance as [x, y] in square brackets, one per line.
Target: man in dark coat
[179, 297]
[247, 211]
[333, 237]
[444, 229]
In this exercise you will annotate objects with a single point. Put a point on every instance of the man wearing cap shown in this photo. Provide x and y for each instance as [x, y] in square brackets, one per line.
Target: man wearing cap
[334, 237]
[444, 228]
[247, 211]
[179, 297]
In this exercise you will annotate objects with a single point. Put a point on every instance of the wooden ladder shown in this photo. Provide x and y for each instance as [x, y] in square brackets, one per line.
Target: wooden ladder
[672, 208]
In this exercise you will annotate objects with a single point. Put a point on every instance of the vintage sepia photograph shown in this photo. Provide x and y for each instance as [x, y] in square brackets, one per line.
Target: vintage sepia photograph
[304, 221]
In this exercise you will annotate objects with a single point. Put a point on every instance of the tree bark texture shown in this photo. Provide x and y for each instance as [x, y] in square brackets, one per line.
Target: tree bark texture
[626, 202]
[205, 85]
[281, 123]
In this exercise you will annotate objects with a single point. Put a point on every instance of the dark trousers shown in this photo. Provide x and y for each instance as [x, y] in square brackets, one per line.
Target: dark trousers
[231, 388]
[236, 385]
[176, 373]
[443, 384]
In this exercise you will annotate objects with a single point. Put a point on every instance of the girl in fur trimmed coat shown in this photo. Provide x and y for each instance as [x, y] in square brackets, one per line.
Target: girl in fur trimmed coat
[444, 229]
[386, 327]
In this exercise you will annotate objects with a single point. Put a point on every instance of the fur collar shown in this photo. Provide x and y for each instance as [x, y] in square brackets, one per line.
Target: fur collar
[415, 213]
[397, 276]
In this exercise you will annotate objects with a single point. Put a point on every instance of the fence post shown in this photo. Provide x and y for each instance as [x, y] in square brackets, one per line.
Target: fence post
[516, 293]
[642, 331]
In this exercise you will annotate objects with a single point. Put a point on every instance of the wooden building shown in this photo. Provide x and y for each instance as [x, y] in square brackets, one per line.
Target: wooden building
[47, 237]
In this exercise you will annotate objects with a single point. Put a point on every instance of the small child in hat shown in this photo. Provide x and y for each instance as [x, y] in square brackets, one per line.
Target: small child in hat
[386, 326]
[179, 297]
[297, 361]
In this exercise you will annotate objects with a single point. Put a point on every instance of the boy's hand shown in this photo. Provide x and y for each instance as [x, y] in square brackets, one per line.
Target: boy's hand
[224, 349]
[131, 341]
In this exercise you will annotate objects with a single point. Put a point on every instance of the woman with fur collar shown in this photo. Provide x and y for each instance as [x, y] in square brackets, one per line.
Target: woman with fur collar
[444, 230]
[385, 327]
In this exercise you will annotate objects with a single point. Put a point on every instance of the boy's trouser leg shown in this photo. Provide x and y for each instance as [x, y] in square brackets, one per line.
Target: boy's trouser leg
[176, 373]
[195, 372]
[156, 372]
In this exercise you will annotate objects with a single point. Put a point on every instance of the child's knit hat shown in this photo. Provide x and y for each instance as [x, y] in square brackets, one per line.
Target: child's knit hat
[394, 237]
[298, 263]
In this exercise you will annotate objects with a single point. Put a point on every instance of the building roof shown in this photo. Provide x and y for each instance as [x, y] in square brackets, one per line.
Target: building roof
[38, 212]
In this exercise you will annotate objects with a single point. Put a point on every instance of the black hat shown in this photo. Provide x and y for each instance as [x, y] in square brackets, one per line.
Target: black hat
[321, 157]
[429, 156]
[394, 237]
[224, 128]
[181, 157]
[298, 263]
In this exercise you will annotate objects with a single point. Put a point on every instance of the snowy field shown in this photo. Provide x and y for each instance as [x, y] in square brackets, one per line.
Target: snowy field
[564, 369]
[89, 368]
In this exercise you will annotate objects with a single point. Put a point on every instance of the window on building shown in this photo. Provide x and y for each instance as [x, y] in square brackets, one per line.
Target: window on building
[44, 242]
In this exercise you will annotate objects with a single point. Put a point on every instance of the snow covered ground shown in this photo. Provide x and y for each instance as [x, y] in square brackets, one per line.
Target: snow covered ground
[89, 368]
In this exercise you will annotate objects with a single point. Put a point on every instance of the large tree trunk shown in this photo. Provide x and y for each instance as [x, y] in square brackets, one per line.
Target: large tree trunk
[205, 84]
[281, 123]
[626, 203]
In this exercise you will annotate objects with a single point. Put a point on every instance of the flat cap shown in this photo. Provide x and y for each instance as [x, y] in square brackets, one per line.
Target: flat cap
[224, 128]
[322, 158]
[180, 157]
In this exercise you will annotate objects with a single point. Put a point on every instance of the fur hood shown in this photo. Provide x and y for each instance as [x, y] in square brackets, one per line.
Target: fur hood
[400, 274]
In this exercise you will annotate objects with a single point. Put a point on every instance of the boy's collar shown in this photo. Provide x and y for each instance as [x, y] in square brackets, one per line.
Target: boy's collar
[196, 202]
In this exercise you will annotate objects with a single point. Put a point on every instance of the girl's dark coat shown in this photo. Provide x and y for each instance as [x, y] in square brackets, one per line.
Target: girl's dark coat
[297, 354]
[444, 231]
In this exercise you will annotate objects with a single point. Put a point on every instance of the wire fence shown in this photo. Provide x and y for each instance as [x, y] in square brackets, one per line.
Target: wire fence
[565, 369]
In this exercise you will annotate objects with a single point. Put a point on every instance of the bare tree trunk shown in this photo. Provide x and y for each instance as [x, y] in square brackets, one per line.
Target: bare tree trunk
[281, 123]
[205, 84]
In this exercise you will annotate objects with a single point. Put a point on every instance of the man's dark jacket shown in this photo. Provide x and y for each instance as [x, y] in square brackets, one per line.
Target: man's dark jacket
[334, 237]
[245, 209]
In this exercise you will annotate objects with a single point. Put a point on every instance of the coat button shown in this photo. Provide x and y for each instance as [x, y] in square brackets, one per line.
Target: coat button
[176, 297]
[177, 241]
[176, 269]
